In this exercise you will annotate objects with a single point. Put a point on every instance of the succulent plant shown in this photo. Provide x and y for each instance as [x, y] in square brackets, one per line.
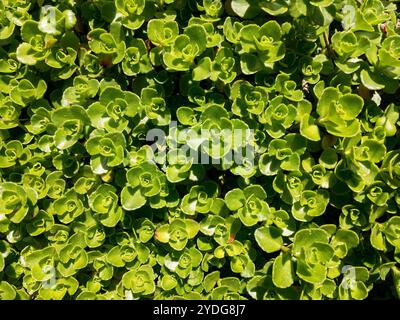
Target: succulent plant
[199, 149]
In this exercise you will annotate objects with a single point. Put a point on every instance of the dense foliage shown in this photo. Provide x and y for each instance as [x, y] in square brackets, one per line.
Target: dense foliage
[90, 208]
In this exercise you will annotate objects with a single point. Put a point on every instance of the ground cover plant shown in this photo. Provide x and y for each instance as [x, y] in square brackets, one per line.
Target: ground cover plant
[199, 149]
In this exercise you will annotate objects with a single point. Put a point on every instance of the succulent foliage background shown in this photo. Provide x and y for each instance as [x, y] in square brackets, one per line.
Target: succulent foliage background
[311, 212]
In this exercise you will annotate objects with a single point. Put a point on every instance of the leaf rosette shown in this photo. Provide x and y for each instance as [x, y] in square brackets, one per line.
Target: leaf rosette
[261, 46]
[132, 12]
[146, 184]
[106, 150]
[249, 204]
[16, 201]
[248, 99]
[136, 59]
[338, 112]
[140, 281]
[311, 204]
[177, 233]
[200, 198]
[104, 202]
[162, 32]
[283, 154]
[155, 107]
[109, 44]
[68, 207]
[313, 254]
[186, 48]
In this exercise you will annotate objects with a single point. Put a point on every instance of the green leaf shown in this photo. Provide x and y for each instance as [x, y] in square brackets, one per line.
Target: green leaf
[7, 291]
[132, 198]
[245, 8]
[211, 280]
[269, 238]
[282, 271]
[306, 237]
[203, 70]
[235, 199]
[168, 282]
